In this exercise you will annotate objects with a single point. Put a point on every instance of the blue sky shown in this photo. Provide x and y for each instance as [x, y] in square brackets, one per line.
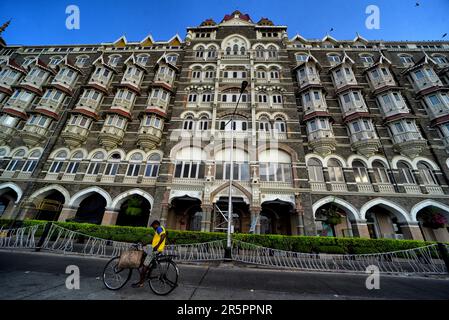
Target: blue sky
[43, 22]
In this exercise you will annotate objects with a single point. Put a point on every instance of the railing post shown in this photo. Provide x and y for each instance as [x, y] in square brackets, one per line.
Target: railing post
[444, 254]
[43, 236]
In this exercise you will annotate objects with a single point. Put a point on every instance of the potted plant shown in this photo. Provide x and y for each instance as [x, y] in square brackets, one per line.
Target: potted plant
[333, 218]
[134, 207]
[434, 220]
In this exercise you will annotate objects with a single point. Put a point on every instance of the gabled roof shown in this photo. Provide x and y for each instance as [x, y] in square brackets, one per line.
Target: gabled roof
[41, 64]
[360, 38]
[132, 60]
[71, 65]
[120, 42]
[147, 41]
[14, 65]
[300, 38]
[175, 40]
[163, 59]
[327, 37]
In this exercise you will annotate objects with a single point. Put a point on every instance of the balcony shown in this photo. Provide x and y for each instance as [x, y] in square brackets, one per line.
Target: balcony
[35, 81]
[74, 135]
[365, 143]
[437, 111]
[338, 187]
[318, 186]
[7, 82]
[353, 106]
[132, 80]
[18, 104]
[365, 188]
[436, 190]
[6, 134]
[392, 108]
[412, 189]
[382, 81]
[165, 78]
[234, 57]
[343, 81]
[322, 141]
[426, 82]
[275, 184]
[124, 104]
[101, 80]
[110, 137]
[149, 137]
[308, 78]
[158, 102]
[89, 104]
[224, 134]
[314, 105]
[384, 187]
[50, 104]
[65, 81]
[33, 135]
[242, 105]
[234, 80]
[410, 144]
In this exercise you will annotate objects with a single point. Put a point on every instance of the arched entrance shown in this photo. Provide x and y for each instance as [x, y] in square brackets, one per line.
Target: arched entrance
[185, 214]
[91, 209]
[50, 206]
[385, 220]
[275, 217]
[434, 223]
[334, 218]
[7, 200]
[241, 218]
[134, 212]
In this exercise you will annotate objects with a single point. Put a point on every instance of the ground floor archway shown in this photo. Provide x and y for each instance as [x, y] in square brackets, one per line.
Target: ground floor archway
[7, 201]
[185, 214]
[434, 223]
[276, 217]
[241, 217]
[91, 209]
[49, 207]
[334, 219]
[134, 211]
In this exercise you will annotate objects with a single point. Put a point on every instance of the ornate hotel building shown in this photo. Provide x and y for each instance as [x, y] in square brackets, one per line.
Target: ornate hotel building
[331, 137]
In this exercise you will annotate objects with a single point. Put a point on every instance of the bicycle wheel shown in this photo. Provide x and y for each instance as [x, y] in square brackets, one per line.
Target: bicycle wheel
[163, 277]
[113, 277]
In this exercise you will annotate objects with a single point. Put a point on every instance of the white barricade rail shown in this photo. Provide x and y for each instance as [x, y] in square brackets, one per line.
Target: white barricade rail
[422, 260]
[20, 237]
[213, 250]
[418, 260]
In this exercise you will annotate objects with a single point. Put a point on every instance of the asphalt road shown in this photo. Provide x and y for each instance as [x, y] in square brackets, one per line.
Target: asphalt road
[28, 275]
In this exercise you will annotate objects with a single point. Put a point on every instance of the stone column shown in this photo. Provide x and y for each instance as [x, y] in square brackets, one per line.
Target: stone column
[164, 214]
[360, 229]
[255, 214]
[67, 213]
[9, 211]
[206, 217]
[299, 216]
[412, 231]
[109, 217]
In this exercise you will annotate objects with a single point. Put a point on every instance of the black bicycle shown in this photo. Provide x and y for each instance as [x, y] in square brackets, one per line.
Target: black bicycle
[162, 274]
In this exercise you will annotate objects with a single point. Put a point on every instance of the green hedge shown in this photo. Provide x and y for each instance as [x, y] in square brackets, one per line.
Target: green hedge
[290, 243]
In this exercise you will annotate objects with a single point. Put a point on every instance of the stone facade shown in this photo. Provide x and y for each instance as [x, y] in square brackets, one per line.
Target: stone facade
[330, 137]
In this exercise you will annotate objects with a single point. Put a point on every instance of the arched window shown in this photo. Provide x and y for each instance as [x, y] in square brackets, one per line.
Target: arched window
[211, 52]
[94, 165]
[112, 165]
[235, 49]
[188, 123]
[228, 51]
[54, 61]
[74, 163]
[334, 58]
[203, 124]
[15, 161]
[272, 52]
[152, 166]
[242, 51]
[275, 165]
[274, 74]
[58, 162]
[426, 173]
[380, 173]
[440, 59]
[31, 162]
[240, 168]
[261, 74]
[189, 163]
[405, 172]
[196, 73]
[335, 171]
[199, 52]
[134, 165]
[366, 58]
[262, 97]
[315, 170]
[260, 52]
[192, 97]
[209, 73]
[81, 61]
[301, 57]
[239, 124]
[142, 59]
[264, 124]
[360, 172]
[114, 60]
[279, 125]
[406, 59]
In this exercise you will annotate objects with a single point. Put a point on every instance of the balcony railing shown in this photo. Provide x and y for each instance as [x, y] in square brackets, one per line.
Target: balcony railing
[319, 134]
[343, 81]
[123, 103]
[412, 189]
[7, 82]
[50, 104]
[88, 103]
[385, 187]
[406, 136]
[318, 186]
[426, 82]
[434, 190]
[365, 187]
[392, 108]
[314, 105]
[363, 135]
[382, 81]
[353, 106]
[233, 56]
[100, 80]
[338, 186]
[308, 79]
[34, 81]
[438, 110]
[132, 79]
[64, 81]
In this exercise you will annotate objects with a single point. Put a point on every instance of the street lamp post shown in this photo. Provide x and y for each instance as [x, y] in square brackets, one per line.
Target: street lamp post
[231, 174]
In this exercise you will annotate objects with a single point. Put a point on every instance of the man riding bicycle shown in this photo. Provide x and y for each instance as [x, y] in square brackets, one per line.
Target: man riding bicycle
[157, 247]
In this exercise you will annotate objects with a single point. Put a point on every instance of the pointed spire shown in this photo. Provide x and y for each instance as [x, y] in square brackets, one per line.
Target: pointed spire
[4, 26]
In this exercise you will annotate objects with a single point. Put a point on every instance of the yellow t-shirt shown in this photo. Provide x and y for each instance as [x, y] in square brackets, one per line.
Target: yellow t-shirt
[157, 237]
